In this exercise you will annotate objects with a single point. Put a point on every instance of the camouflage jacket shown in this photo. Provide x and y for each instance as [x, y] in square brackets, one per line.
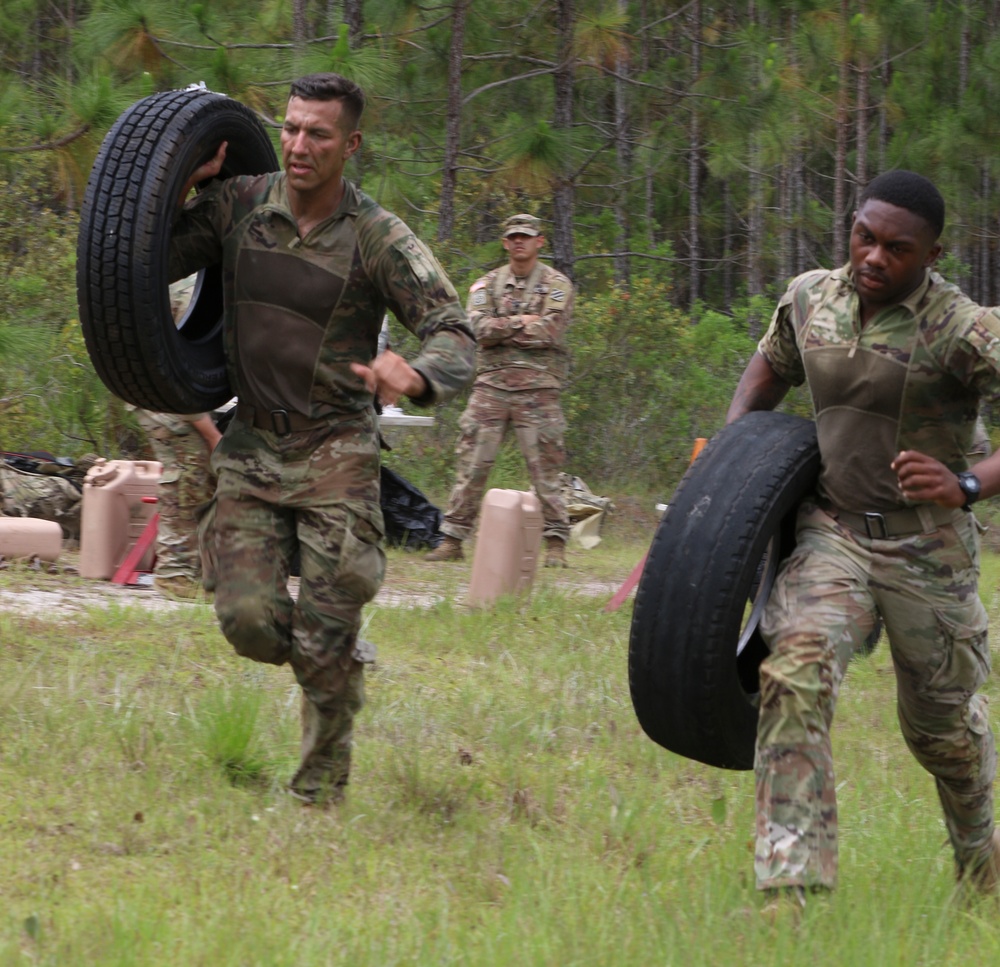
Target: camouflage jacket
[512, 354]
[910, 379]
[40, 495]
[299, 311]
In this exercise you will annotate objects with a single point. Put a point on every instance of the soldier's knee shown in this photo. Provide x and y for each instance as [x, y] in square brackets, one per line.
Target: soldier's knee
[253, 629]
[801, 662]
[354, 687]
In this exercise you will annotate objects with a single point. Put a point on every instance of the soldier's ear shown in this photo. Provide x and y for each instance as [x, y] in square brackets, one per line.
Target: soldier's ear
[353, 143]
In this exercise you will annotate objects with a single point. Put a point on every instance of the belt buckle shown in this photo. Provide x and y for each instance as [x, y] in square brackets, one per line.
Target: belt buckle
[281, 416]
[875, 518]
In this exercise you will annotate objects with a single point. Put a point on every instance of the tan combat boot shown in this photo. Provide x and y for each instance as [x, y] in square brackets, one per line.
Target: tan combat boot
[450, 549]
[555, 552]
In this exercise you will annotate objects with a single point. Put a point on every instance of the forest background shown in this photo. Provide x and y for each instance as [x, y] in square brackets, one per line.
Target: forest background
[687, 159]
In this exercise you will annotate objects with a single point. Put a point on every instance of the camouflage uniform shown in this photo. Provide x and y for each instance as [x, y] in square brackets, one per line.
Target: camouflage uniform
[521, 368]
[186, 485]
[981, 446]
[911, 379]
[298, 467]
[43, 496]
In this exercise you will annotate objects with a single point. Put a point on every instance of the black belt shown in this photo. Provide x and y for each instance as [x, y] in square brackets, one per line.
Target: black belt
[282, 422]
[887, 524]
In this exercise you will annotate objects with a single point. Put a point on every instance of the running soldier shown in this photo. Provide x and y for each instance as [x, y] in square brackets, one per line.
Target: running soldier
[310, 264]
[897, 361]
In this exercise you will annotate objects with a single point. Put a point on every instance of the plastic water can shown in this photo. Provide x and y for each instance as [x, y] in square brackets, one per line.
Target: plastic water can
[30, 537]
[506, 557]
[114, 514]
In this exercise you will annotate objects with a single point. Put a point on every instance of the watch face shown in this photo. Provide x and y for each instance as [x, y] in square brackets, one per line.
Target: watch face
[970, 485]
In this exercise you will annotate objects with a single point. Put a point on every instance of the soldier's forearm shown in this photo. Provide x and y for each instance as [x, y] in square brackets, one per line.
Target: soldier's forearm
[759, 388]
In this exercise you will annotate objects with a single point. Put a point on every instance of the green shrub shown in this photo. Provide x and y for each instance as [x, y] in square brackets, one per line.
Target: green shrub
[647, 380]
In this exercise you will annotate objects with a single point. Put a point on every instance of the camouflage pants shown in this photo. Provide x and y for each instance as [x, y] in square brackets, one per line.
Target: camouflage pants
[186, 485]
[276, 495]
[822, 608]
[538, 422]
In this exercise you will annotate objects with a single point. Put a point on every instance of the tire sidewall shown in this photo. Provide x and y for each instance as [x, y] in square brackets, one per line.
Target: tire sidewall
[741, 493]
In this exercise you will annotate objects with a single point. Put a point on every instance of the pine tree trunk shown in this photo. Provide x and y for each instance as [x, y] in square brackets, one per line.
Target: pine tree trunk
[984, 295]
[354, 20]
[786, 239]
[861, 122]
[727, 246]
[755, 227]
[453, 122]
[883, 117]
[564, 192]
[694, 163]
[299, 33]
[840, 150]
[623, 157]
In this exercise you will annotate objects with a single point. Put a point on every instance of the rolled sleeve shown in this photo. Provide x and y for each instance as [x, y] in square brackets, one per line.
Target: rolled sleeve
[779, 346]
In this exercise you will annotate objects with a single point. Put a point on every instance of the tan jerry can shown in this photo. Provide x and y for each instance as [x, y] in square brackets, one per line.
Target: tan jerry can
[115, 514]
[510, 534]
[30, 537]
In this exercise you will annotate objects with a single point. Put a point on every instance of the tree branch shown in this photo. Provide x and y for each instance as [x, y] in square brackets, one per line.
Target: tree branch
[51, 146]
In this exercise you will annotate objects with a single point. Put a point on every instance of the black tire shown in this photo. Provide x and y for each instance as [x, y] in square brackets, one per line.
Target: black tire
[694, 647]
[138, 350]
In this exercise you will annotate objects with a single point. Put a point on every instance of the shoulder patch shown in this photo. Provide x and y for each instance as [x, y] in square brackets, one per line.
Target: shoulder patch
[478, 297]
[557, 295]
[476, 286]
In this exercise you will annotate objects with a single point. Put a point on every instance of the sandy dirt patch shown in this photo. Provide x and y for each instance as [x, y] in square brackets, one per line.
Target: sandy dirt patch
[59, 592]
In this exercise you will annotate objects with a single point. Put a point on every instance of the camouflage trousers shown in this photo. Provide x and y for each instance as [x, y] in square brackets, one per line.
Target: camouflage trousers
[186, 485]
[539, 425]
[315, 492]
[822, 608]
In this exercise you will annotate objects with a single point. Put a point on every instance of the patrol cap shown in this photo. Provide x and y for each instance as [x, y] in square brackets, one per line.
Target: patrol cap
[522, 225]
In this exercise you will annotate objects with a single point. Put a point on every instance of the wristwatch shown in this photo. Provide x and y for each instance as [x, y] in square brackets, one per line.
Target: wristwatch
[971, 487]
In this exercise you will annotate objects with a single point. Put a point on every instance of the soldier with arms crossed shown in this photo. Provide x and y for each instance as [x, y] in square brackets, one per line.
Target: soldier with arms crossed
[520, 313]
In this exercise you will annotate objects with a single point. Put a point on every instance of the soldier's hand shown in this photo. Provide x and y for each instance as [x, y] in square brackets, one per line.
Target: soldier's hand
[390, 376]
[924, 479]
[207, 170]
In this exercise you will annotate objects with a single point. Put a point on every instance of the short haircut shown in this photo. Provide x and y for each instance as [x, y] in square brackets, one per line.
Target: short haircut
[332, 87]
[907, 189]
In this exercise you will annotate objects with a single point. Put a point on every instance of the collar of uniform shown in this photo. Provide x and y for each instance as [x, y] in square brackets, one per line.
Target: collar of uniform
[349, 203]
[912, 302]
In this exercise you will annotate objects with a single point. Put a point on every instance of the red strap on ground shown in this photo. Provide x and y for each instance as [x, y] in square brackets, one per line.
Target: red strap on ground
[128, 572]
[630, 582]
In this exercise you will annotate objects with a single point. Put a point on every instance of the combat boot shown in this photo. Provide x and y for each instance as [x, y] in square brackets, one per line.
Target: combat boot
[450, 549]
[180, 587]
[555, 552]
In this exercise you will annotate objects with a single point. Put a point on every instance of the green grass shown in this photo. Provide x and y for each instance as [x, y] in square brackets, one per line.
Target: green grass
[505, 807]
